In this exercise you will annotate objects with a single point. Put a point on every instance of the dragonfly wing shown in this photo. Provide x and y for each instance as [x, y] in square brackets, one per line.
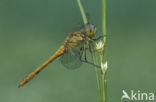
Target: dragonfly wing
[71, 59]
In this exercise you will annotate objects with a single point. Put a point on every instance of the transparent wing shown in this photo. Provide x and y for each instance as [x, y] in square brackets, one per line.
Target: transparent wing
[78, 28]
[71, 59]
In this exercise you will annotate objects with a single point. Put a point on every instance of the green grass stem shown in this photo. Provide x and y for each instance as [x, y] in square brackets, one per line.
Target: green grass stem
[98, 72]
[104, 84]
[83, 14]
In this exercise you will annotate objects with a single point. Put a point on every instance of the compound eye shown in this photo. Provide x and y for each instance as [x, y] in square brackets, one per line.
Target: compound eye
[91, 26]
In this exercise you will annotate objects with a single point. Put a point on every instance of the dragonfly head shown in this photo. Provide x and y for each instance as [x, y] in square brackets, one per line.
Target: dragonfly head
[90, 30]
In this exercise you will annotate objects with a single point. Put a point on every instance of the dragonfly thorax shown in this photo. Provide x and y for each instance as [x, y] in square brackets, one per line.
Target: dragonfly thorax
[74, 39]
[77, 38]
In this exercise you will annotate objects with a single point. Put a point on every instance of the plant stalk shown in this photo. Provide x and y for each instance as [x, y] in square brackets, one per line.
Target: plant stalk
[104, 83]
[84, 17]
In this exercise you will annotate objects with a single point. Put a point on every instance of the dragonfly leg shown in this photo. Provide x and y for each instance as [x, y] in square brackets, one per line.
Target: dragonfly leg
[100, 37]
[89, 47]
[86, 61]
[84, 52]
[91, 50]
[81, 52]
[90, 39]
[94, 40]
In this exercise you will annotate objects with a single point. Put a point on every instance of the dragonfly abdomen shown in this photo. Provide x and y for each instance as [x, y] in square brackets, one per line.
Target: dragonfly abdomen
[58, 53]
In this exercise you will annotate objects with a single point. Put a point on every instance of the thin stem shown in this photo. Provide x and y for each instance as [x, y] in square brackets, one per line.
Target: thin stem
[97, 76]
[104, 19]
[98, 80]
[104, 26]
[104, 84]
[82, 12]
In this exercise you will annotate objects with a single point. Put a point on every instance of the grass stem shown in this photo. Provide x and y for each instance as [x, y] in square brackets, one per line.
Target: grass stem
[98, 72]
[83, 14]
[104, 83]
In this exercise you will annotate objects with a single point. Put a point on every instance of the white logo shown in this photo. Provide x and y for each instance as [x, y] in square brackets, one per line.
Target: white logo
[125, 95]
[137, 95]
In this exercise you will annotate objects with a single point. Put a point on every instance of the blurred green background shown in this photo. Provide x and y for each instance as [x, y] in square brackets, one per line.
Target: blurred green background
[31, 30]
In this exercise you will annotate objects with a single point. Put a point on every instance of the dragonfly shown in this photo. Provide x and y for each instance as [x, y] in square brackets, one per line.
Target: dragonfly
[73, 40]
